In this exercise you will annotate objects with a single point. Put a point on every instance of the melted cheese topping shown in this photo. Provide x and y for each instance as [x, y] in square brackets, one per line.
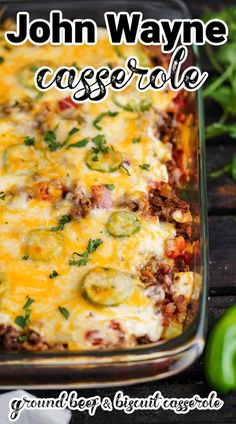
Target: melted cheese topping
[26, 114]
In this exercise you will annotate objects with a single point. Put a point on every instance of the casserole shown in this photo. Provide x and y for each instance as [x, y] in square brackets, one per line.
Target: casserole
[135, 352]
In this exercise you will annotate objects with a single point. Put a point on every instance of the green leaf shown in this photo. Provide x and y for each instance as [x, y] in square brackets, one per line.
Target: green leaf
[64, 312]
[145, 166]
[54, 274]
[93, 245]
[101, 116]
[81, 143]
[233, 168]
[65, 219]
[29, 141]
[110, 186]
[1, 59]
[21, 321]
[51, 139]
[136, 140]
[2, 195]
[70, 134]
[28, 303]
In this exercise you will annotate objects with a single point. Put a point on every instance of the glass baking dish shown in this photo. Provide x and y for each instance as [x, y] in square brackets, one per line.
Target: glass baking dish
[146, 362]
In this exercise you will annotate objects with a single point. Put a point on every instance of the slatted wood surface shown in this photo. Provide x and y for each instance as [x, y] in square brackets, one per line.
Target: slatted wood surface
[222, 226]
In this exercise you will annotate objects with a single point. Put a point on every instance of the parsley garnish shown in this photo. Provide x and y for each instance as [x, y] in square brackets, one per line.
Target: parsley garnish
[64, 312]
[29, 141]
[1, 59]
[126, 169]
[23, 320]
[61, 223]
[136, 140]
[110, 186]
[81, 143]
[71, 132]
[145, 166]
[2, 195]
[84, 257]
[101, 116]
[51, 138]
[53, 274]
[100, 143]
[25, 258]
[22, 338]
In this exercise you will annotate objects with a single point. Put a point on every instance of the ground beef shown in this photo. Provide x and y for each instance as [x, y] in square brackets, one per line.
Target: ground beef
[12, 339]
[164, 201]
[166, 128]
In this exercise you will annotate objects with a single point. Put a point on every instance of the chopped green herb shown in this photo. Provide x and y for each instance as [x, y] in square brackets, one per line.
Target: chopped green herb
[61, 223]
[28, 303]
[136, 140]
[23, 320]
[51, 139]
[22, 338]
[53, 274]
[84, 257]
[81, 143]
[110, 186]
[125, 169]
[93, 245]
[25, 258]
[71, 132]
[145, 166]
[1, 59]
[29, 141]
[101, 116]
[64, 312]
[2, 195]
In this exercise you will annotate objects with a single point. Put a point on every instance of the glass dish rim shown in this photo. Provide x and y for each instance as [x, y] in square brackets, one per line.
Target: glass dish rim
[186, 339]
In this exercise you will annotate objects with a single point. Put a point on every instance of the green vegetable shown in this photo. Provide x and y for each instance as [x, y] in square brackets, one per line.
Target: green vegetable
[81, 143]
[222, 88]
[20, 159]
[54, 274]
[2, 195]
[110, 186]
[29, 141]
[51, 138]
[101, 116]
[136, 140]
[123, 224]
[65, 219]
[42, 245]
[1, 60]
[220, 365]
[125, 169]
[106, 286]
[23, 320]
[145, 166]
[64, 312]
[133, 101]
[103, 158]
[84, 257]
[230, 168]
[25, 258]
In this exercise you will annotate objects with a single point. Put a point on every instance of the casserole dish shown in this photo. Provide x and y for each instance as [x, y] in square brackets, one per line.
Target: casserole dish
[125, 364]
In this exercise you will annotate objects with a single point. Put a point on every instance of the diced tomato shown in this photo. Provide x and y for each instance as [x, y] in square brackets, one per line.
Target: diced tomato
[66, 103]
[102, 196]
[176, 247]
[115, 325]
[93, 336]
[43, 191]
[180, 100]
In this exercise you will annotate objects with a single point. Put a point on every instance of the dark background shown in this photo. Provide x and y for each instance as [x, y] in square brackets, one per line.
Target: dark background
[222, 228]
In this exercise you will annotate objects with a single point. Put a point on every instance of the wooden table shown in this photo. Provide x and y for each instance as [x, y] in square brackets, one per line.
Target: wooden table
[222, 226]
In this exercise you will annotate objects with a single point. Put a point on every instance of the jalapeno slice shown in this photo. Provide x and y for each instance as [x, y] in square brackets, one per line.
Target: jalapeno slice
[20, 159]
[106, 286]
[27, 73]
[108, 161]
[133, 101]
[123, 224]
[43, 245]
